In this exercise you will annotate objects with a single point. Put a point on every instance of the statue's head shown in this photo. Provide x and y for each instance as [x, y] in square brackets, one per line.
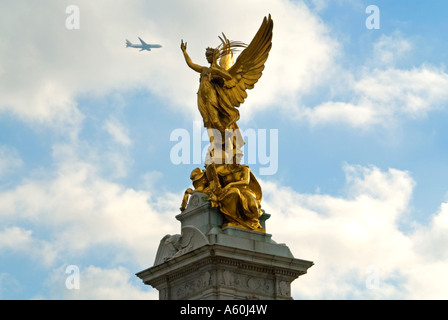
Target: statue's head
[211, 54]
[199, 178]
[196, 174]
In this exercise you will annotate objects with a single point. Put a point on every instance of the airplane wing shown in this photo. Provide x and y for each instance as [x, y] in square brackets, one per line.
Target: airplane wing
[143, 42]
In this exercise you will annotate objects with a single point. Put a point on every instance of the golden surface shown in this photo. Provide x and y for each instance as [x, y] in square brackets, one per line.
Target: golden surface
[222, 89]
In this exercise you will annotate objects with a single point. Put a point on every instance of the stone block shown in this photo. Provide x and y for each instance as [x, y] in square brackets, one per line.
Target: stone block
[207, 261]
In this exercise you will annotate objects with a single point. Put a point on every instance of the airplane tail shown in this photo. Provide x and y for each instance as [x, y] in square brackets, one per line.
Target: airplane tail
[128, 43]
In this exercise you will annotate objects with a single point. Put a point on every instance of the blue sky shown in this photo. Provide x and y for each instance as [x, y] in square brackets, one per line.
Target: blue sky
[86, 177]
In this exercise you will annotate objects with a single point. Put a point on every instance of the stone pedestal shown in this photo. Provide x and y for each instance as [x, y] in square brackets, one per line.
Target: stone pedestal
[207, 261]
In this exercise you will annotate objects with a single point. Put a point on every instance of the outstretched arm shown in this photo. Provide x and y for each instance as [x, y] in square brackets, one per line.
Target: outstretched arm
[195, 67]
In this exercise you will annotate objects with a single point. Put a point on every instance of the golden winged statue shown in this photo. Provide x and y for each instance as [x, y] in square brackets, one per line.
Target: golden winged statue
[223, 88]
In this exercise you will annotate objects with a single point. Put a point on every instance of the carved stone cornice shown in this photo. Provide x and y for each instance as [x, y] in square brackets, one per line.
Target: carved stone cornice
[217, 267]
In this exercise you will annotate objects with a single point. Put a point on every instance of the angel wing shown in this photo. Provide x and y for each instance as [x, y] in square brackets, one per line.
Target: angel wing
[227, 48]
[226, 60]
[248, 67]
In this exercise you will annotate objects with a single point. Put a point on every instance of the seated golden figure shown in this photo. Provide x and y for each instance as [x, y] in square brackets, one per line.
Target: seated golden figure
[235, 190]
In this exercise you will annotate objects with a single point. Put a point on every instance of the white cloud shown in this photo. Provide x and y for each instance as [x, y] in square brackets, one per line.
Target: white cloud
[303, 56]
[48, 66]
[377, 93]
[81, 211]
[413, 92]
[340, 112]
[55, 66]
[118, 132]
[97, 283]
[431, 241]
[16, 239]
[73, 214]
[390, 49]
[357, 237]
[351, 238]
[8, 285]
[383, 96]
[151, 179]
[9, 160]
[319, 5]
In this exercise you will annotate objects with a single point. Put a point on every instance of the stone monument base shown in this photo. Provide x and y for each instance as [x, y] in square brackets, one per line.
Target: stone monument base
[210, 262]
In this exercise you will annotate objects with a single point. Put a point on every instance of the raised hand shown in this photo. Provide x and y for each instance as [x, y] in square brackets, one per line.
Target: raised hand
[183, 46]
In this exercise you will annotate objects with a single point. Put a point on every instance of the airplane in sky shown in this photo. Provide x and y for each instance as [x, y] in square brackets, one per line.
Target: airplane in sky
[143, 46]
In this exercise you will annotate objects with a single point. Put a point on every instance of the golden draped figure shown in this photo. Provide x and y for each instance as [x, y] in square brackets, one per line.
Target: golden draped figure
[222, 89]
